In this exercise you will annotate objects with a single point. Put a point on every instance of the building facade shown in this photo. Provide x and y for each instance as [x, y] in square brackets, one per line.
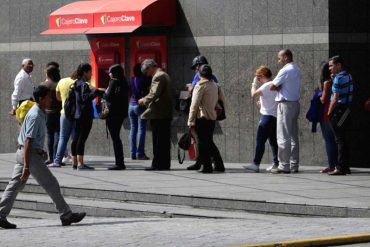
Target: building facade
[236, 36]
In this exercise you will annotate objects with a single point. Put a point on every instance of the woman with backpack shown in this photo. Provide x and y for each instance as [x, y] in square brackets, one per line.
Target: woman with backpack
[116, 97]
[84, 113]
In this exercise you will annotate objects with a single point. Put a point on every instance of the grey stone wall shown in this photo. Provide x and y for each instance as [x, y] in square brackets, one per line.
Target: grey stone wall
[235, 35]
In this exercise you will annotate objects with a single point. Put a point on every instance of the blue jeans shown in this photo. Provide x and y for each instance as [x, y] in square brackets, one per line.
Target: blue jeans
[266, 131]
[137, 131]
[66, 129]
[330, 144]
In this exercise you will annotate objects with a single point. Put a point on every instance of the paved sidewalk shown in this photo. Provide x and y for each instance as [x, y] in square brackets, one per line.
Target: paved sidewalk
[309, 187]
[46, 231]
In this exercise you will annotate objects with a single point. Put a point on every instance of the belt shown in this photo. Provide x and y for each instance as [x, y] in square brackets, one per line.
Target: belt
[284, 100]
[36, 150]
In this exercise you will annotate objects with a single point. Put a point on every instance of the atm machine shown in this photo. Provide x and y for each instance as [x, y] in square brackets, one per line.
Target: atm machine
[105, 51]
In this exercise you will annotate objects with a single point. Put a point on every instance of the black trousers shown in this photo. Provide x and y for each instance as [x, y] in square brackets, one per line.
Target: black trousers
[340, 134]
[82, 130]
[207, 148]
[114, 124]
[53, 128]
[161, 131]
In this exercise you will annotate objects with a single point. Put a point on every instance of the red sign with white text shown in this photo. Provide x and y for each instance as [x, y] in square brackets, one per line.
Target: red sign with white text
[71, 21]
[148, 47]
[132, 18]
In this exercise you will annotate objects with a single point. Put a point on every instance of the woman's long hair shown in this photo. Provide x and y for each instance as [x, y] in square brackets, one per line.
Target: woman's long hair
[325, 74]
[117, 72]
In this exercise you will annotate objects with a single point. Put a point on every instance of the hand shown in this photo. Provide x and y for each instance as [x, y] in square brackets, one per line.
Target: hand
[192, 130]
[12, 112]
[190, 87]
[255, 81]
[258, 103]
[141, 101]
[25, 174]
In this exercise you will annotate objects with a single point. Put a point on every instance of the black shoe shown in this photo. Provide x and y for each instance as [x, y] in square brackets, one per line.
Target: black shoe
[74, 167]
[219, 169]
[143, 157]
[117, 168]
[348, 171]
[207, 169]
[4, 223]
[48, 162]
[194, 167]
[74, 218]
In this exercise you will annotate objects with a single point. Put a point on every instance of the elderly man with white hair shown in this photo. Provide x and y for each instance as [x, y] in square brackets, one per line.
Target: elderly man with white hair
[23, 86]
[159, 111]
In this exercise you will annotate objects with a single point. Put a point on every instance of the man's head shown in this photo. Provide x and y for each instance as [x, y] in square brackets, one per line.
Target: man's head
[198, 61]
[53, 73]
[263, 74]
[84, 71]
[336, 64]
[42, 96]
[285, 56]
[27, 65]
[149, 67]
[205, 72]
[52, 63]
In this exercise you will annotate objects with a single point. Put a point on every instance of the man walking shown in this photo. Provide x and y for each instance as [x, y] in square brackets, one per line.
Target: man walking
[30, 159]
[23, 86]
[159, 111]
[339, 112]
[288, 85]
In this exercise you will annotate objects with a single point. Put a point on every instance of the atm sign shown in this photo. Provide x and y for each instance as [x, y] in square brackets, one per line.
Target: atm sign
[117, 19]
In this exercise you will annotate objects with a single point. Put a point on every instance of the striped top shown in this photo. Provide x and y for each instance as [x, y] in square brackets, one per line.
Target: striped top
[342, 85]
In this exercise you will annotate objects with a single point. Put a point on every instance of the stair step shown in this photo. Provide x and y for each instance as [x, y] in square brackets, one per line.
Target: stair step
[199, 202]
[108, 208]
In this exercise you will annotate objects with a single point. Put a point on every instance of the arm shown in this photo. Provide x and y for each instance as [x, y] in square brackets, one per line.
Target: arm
[59, 96]
[194, 107]
[156, 89]
[15, 95]
[326, 92]
[88, 94]
[254, 91]
[26, 162]
[278, 81]
[333, 103]
[110, 89]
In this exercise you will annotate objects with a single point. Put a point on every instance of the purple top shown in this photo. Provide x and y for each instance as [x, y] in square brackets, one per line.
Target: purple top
[139, 88]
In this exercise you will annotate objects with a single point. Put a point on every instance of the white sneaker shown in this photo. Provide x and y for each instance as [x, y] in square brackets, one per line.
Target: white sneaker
[252, 167]
[268, 169]
[66, 160]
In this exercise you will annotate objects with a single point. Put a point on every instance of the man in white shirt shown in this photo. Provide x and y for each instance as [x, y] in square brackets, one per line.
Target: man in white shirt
[288, 85]
[23, 86]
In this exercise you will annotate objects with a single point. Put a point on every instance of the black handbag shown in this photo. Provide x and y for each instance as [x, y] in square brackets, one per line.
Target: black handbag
[183, 145]
[220, 108]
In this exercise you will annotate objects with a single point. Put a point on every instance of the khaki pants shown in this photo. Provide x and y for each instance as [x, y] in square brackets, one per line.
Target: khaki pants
[44, 178]
[287, 134]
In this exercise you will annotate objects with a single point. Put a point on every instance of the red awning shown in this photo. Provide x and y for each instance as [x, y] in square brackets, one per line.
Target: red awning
[111, 16]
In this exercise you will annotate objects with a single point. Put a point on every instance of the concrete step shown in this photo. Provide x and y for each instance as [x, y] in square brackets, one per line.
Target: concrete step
[109, 208]
[223, 204]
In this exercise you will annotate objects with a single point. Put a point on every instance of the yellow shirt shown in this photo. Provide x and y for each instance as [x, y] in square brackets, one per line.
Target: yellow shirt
[63, 89]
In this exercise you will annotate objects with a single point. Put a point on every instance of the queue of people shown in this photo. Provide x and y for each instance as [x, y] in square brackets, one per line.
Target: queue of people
[149, 97]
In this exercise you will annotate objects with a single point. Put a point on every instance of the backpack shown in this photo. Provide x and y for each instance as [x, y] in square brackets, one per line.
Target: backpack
[23, 109]
[315, 113]
[70, 103]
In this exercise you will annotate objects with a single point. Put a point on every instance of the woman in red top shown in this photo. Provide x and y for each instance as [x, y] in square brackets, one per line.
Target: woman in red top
[326, 128]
